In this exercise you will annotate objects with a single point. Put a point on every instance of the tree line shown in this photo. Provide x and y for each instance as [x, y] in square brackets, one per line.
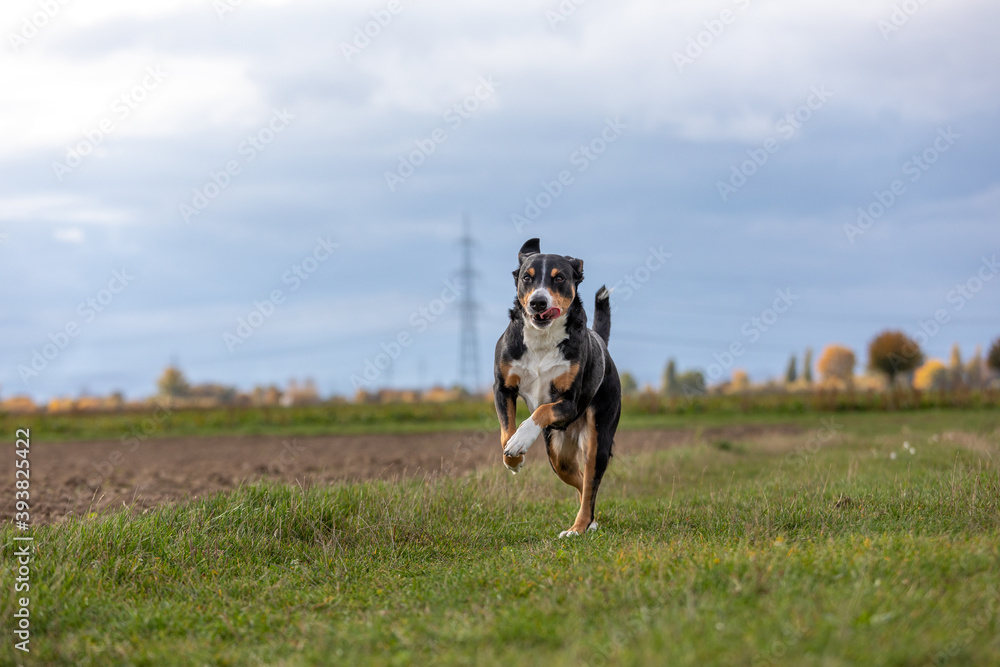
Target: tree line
[892, 355]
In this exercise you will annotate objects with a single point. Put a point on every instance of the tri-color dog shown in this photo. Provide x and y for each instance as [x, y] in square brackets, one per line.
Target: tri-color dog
[563, 371]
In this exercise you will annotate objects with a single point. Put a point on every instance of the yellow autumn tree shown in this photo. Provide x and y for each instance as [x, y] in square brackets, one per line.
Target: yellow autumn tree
[931, 376]
[740, 381]
[836, 364]
[172, 383]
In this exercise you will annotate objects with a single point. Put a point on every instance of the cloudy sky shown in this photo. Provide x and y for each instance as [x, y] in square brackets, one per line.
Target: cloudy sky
[168, 168]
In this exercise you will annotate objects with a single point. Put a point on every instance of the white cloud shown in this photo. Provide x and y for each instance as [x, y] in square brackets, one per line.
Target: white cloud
[68, 235]
[620, 58]
[606, 58]
[60, 208]
[54, 102]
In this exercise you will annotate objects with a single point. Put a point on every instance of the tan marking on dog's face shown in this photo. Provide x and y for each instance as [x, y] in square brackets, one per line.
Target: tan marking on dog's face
[562, 288]
[565, 381]
[531, 271]
[561, 301]
[524, 299]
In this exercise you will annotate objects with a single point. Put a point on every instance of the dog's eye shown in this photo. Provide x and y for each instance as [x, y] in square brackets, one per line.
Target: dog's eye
[526, 278]
[559, 278]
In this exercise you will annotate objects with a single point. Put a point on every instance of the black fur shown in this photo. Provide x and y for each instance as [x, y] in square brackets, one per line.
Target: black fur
[602, 314]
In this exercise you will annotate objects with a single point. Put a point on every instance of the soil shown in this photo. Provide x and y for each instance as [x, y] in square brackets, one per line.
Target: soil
[76, 479]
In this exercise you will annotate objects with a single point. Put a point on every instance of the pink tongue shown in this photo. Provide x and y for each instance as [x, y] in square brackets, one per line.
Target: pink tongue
[550, 314]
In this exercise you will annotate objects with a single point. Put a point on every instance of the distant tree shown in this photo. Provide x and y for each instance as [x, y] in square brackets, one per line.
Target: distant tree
[671, 386]
[310, 391]
[791, 372]
[740, 380]
[300, 394]
[931, 376]
[956, 369]
[837, 363]
[691, 383]
[974, 369]
[269, 395]
[993, 357]
[217, 392]
[892, 353]
[807, 366]
[172, 383]
[629, 385]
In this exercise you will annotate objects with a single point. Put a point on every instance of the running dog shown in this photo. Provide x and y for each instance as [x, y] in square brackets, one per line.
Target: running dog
[563, 371]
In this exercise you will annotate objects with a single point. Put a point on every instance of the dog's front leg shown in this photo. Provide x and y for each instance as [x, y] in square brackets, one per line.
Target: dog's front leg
[523, 438]
[506, 405]
[551, 414]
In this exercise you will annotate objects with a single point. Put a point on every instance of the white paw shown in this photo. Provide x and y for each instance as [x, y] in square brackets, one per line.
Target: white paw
[523, 438]
[572, 533]
[513, 469]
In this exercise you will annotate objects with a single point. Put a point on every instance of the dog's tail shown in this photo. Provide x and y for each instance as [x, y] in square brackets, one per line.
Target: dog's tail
[602, 313]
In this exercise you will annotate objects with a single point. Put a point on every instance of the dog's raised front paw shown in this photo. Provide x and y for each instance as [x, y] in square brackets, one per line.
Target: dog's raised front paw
[523, 438]
[513, 463]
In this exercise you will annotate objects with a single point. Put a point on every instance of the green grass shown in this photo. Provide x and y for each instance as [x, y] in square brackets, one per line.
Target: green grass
[729, 552]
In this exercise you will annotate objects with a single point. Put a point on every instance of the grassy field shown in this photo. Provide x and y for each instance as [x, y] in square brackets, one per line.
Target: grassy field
[819, 550]
[640, 411]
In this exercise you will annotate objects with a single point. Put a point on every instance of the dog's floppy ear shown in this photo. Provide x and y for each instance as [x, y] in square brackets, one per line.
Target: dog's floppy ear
[577, 265]
[530, 247]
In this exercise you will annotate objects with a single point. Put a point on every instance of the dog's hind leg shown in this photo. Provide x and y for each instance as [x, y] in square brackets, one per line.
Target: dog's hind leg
[596, 462]
[564, 457]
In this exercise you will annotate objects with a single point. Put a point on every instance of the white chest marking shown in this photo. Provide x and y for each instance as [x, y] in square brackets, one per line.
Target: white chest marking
[541, 363]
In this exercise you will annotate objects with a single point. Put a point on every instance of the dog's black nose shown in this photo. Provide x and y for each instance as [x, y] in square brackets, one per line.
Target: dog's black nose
[538, 305]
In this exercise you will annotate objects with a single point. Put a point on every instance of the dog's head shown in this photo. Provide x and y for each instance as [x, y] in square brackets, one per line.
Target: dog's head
[546, 284]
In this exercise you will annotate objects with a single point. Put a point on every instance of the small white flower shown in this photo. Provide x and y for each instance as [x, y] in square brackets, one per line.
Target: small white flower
[906, 444]
[892, 456]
